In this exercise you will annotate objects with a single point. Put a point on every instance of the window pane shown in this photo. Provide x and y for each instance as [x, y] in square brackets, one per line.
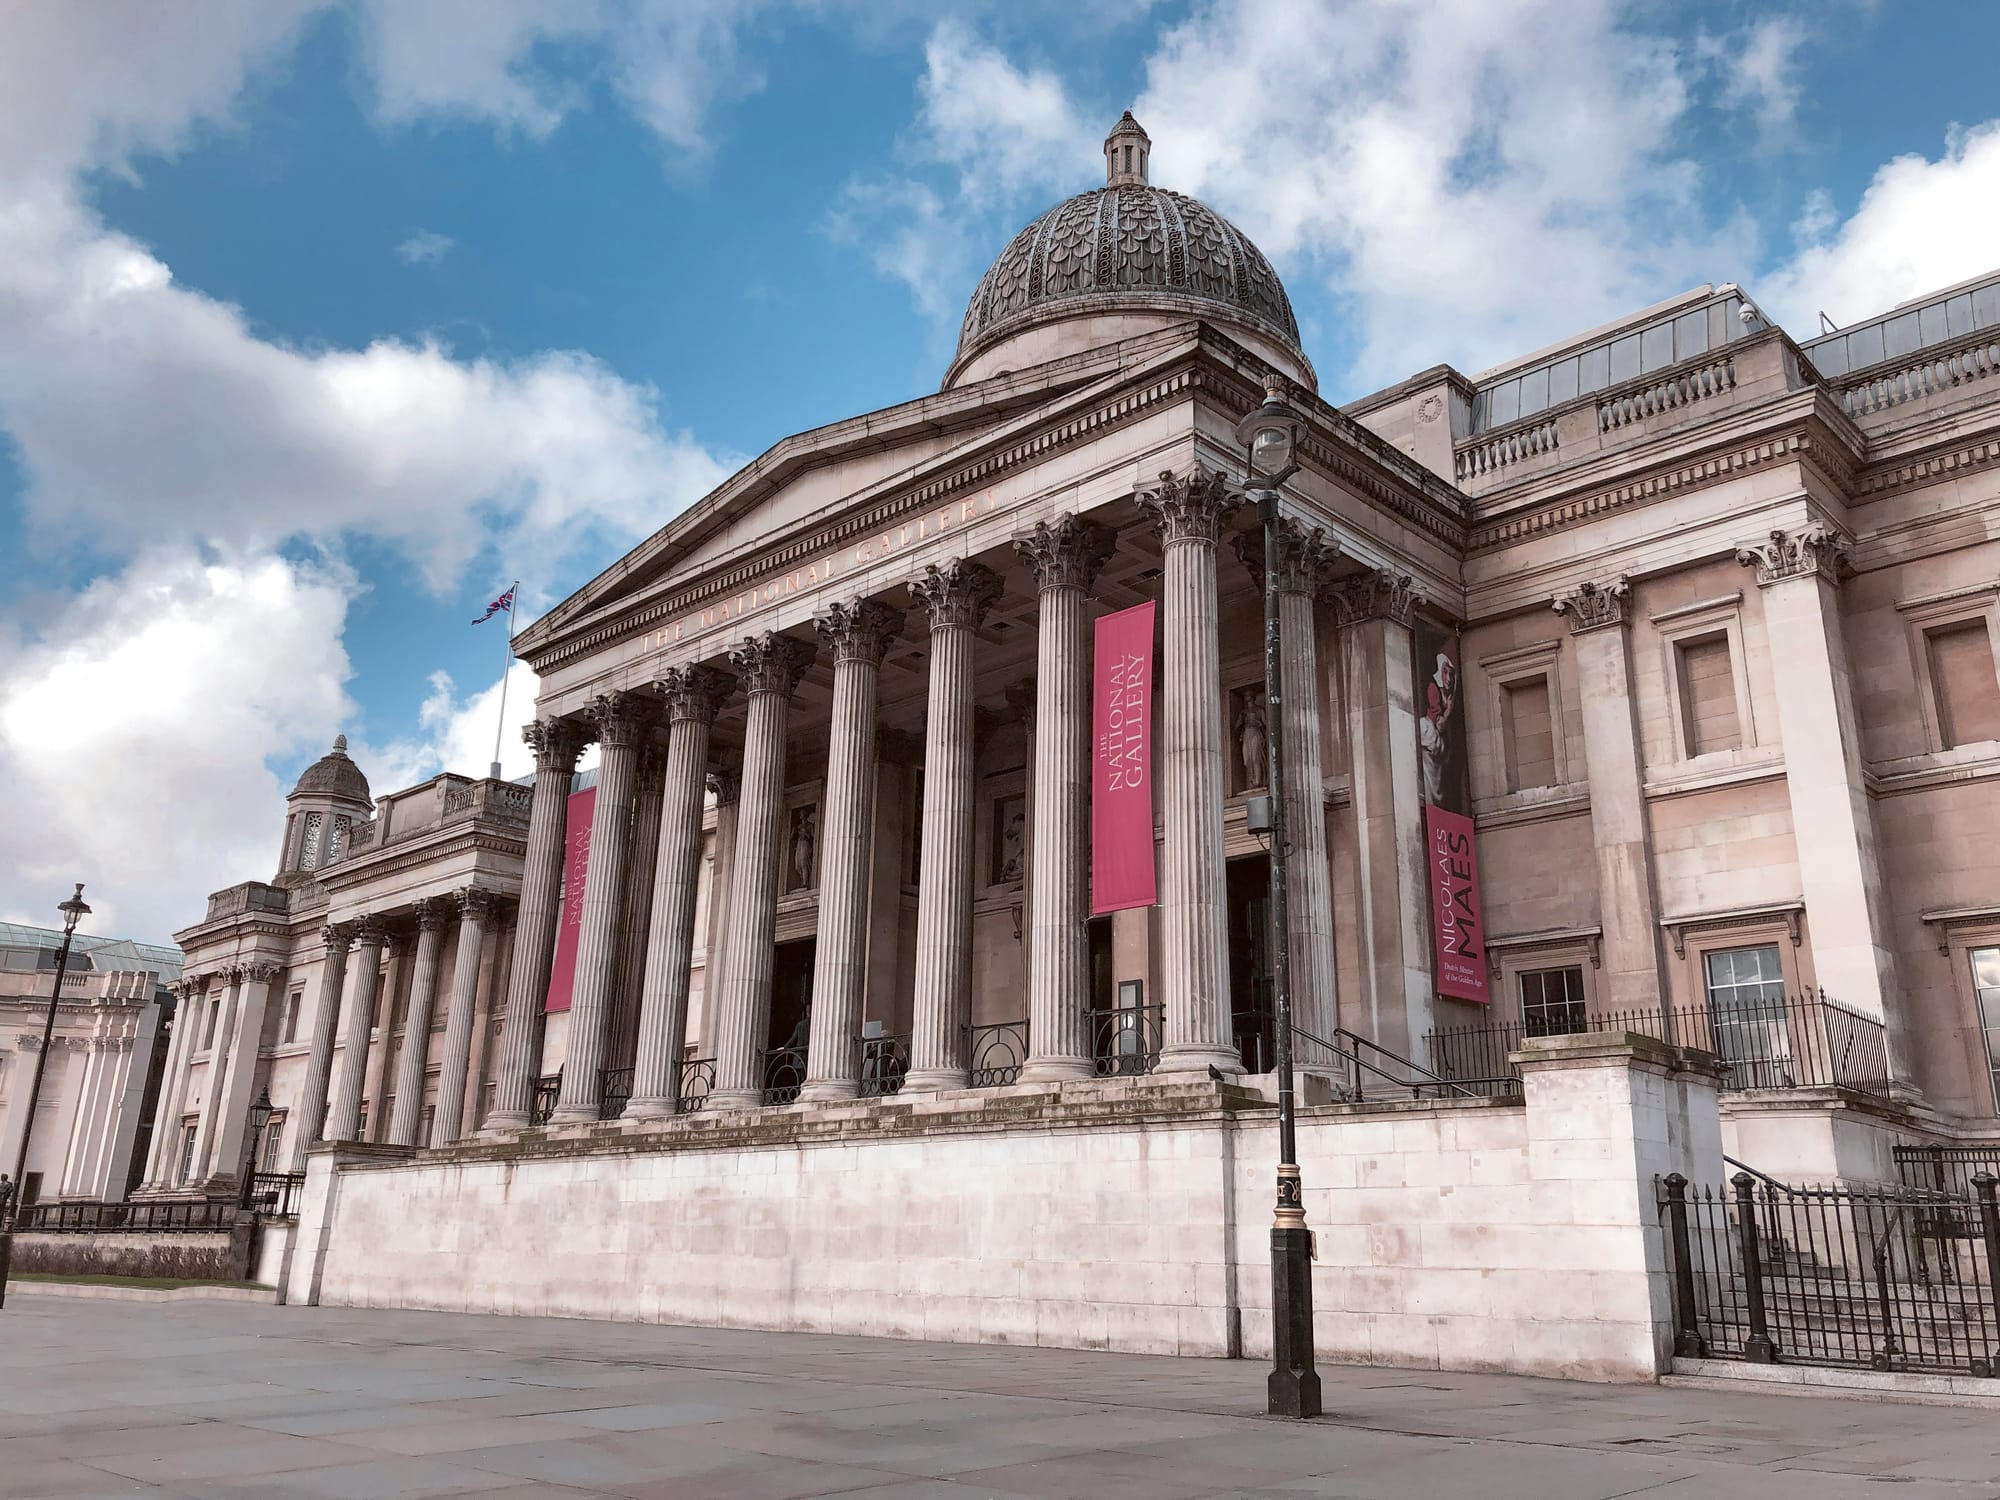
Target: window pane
[1552, 1002]
[1986, 968]
[1747, 1013]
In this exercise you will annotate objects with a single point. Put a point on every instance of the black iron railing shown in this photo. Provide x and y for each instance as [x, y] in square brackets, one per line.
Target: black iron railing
[1126, 1039]
[884, 1062]
[995, 1053]
[1882, 1278]
[179, 1216]
[784, 1074]
[614, 1092]
[697, 1078]
[548, 1089]
[275, 1195]
[1946, 1169]
[1366, 1069]
[1804, 1041]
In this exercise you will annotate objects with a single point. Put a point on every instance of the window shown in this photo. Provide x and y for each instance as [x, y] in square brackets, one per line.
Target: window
[1963, 682]
[1709, 720]
[186, 1167]
[361, 1123]
[1986, 995]
[425, 1122]
[1746, 1008]
[336, 843]
[1529, 733]
[1552, 1002]
[292, 1014]
[274, 1139]
[309, 850]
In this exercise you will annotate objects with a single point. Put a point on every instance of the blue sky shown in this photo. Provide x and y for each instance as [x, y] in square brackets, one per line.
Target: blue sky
[321, 320]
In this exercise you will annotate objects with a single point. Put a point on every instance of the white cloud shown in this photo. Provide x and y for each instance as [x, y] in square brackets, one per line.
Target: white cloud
[1006, 130]
[457, 734]
[425, 248]
[135, 731]
[1919, 226]
[1760, 72]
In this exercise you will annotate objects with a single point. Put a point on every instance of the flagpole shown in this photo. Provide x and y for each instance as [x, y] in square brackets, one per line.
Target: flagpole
[506, 671]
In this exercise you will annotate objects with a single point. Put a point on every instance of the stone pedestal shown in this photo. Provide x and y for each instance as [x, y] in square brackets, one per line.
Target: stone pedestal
[956, 596]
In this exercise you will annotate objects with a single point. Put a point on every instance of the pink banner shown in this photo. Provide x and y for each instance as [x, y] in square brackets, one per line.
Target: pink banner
[1123, 873]
[576, 866]
[1454, 875]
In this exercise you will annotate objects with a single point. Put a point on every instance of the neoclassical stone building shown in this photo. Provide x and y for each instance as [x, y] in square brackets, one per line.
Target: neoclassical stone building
[1695, 622]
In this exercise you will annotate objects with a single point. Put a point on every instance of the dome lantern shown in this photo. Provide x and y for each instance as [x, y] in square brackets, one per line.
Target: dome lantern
[321, 813]
[1125, 153]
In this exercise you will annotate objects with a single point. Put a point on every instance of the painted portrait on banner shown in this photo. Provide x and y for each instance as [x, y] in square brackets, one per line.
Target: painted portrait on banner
[1457, 924]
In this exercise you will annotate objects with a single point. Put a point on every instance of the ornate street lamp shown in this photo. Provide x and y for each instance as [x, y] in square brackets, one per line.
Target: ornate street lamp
[260, 1117]
[73, 911]
[1270, 438]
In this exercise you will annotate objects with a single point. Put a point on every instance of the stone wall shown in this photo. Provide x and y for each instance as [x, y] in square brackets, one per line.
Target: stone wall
[219, 1255]
[1128, 1214]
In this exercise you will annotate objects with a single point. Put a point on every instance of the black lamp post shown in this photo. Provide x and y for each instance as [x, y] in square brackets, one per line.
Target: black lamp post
[1270, 437]
[260, 1117]
[74, 910]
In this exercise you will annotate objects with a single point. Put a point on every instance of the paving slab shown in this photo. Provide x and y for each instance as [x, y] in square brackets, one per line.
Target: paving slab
[188, 1398]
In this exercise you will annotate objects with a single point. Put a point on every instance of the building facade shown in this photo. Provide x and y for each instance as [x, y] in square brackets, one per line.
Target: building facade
[106, 1058]
[1695, 623]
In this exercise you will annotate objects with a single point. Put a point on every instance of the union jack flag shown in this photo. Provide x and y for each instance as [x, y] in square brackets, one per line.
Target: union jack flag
[505, 601]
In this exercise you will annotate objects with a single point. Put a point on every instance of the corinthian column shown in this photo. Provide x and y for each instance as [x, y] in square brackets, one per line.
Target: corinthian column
[956, 596]
[1188, 515]
[620, 728]
[556, 743]
[1305, 563]
[858, 634]
[413, 1065]
[334, 941]
[233, 1117]
[173, 1085]
[343, 1121]
[621, 1027]
[693, 695]
[1066, 556]
[218, 1065]
[475, 907]
[771, 666]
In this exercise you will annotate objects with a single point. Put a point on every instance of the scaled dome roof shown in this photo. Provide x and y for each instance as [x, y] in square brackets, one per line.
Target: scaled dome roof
[1127, 245]
[334, 775]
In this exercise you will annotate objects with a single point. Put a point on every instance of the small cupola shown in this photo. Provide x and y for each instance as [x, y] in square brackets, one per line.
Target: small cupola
[1125, 153]
[330, 799]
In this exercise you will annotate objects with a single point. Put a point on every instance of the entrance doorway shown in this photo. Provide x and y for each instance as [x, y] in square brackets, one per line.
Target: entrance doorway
[791, 1003]
[1247, 889]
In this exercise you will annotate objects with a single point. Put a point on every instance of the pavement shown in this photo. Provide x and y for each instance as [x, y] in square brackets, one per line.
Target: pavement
[205, 1399]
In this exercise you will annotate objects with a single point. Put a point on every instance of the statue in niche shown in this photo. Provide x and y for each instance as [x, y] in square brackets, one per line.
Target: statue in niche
[805, 844]
[1013, 842]
[1253, 740]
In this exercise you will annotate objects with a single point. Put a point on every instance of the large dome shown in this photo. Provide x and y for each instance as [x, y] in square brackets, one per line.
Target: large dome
[1123, 248]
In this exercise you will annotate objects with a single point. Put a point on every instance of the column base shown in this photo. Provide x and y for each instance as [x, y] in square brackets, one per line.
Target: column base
[1055, 1070]
[829, 1090]
[934, 1080]
[500, 1122]
[650, 1109]
[1199, 1059]
[732, 1100]
[574, 1114]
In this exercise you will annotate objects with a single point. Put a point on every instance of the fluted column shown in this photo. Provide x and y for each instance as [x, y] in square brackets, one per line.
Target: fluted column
[475, 909]
[413, 1063]
[635, 917]
[771, 666]
[693, 695]
[233, 1112]
[858, 634]
[956, 597]
[1066, 556]
[1305, 563]
[218, 1063]
[173, 1084]
[343, 1120]
[1188, 515]
[334, 941]
[556, 743]
[621, 728]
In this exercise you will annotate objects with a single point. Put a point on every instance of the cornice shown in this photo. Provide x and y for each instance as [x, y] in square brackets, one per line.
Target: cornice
[1906, 470]
[437, 842]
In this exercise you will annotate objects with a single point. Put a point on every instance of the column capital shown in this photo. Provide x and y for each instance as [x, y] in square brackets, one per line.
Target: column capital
[772, 663]
[1066, 553]
[556, 742]
[337, 938]
[1376, 595]
[621, 719]
[262, 971]
[370, 931]
[1813, 550]
[1596, 606]
[1190, 509]
[1306, 555]
[957, 593]
[476, 903]
[860, 630]
[431, 913]
[695, 693]
[726, 782]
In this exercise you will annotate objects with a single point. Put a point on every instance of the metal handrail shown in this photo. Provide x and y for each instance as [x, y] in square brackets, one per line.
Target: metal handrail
[1463, 1088]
